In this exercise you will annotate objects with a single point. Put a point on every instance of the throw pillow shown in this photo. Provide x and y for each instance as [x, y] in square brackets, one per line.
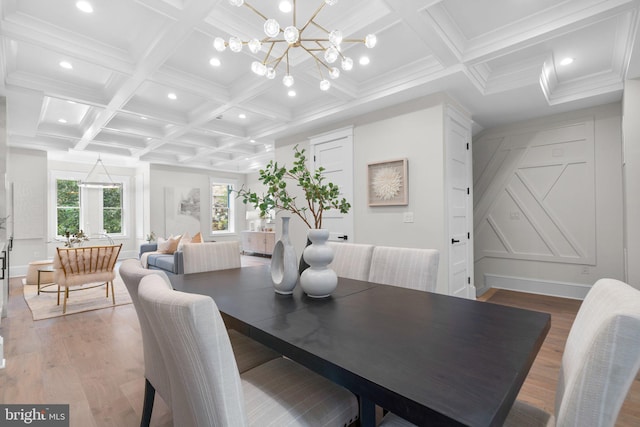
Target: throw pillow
[186, 238]
[168, 246]
[197, 238]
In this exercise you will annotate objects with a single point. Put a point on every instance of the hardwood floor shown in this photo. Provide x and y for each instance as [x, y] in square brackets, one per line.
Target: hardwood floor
[94, 362]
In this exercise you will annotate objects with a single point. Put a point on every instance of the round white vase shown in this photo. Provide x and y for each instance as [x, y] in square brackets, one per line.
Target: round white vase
[318, 281]
[284, 263]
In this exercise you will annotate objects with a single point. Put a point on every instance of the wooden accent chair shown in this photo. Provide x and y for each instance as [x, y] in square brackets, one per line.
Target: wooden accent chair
[600, 361]
[85, 265]
[405, 267]
[206, 387]
[248, 353]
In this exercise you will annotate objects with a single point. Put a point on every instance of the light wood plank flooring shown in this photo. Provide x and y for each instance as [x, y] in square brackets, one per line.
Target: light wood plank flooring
[94, 360]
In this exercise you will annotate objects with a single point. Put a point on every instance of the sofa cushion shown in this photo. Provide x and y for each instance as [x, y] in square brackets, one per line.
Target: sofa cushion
[161, 261]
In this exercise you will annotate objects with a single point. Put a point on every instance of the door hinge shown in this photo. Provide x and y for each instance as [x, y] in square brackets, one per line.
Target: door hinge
[314, 158]
[467, 145]
[468, 235]
[469, 280]
[468, 191]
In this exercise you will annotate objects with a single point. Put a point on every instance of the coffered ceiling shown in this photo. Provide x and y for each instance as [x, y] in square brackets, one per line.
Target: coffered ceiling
[500, 59]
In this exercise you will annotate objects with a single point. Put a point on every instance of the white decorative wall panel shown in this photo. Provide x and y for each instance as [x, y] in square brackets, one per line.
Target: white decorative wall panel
[535, 195]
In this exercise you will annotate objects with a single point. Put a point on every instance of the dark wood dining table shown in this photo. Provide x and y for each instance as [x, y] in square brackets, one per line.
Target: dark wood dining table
[432, 359]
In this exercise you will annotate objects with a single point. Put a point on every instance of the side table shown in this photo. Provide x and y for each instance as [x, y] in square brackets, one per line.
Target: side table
[45, 269]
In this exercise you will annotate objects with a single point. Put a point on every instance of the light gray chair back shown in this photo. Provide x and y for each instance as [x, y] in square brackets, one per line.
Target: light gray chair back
[211, 256]
[601, 357]
[405, 267]
[205, 383]
[155, 372]
[351, 260]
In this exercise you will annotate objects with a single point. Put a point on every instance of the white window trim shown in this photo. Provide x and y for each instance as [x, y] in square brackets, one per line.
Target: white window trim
[232, 206]
[70, 175]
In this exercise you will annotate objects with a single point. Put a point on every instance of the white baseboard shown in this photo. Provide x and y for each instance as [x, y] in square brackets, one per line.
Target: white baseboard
[536, 286]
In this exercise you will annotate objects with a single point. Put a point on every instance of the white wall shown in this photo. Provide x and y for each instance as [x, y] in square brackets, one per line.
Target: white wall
[418, 136]
[27, 170]
[163, 178]
[548, 203]
[631, 132]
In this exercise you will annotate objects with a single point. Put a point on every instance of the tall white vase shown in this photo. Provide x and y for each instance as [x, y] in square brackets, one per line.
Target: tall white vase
[318, 281]
[284, 263]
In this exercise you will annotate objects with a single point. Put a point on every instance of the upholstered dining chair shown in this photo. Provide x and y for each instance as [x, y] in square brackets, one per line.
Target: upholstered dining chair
[85, 265]
[211, 256]
[405, 267]
[600, 361]
[207, 388]
[351, 260]
[248, 353]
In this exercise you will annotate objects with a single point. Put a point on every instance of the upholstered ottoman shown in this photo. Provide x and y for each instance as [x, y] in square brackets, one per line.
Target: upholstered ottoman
[32, 272]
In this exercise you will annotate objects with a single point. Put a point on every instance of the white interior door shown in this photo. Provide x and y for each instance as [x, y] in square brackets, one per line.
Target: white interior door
[334, 152]
[460, 208]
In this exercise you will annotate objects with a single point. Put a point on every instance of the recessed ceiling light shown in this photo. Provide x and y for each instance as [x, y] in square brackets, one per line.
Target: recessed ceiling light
[242, 116]
[291, 93]
[66, 65]
[172, 96]
[566, 61]
[215, 62]
[364, 60]
[143, 118]
[285, 6]
[253, 141]
[62, 121]
[84, 6]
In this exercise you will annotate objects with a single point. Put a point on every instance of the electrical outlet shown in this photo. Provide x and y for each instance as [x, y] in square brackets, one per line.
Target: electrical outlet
[515, 215]
[407, 217]
[585, 270]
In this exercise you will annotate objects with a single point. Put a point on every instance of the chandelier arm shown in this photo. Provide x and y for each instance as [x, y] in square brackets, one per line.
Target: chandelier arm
[312, 17]
[318, 60]
[268, 53]
[286, 52]
[294, 13]
[353, 41]
[320, 26]
[256, 11]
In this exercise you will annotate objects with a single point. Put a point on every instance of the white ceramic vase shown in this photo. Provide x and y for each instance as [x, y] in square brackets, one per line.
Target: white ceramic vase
[318, 281]
[284, 263]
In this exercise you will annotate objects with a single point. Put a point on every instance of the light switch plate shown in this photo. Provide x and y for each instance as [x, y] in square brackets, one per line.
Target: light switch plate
[407, 217]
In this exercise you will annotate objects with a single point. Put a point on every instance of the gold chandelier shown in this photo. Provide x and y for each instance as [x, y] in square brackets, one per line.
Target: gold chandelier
[324, 50]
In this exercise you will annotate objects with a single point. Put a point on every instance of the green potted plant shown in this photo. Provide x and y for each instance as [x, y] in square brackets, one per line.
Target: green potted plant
[319, 196]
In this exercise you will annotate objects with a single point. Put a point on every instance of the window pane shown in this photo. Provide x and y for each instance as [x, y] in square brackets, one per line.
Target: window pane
[221, 207]
[68, 193]
[68, 206]
[112, 220]
[112, 210]
[68, 220]
[112, 197]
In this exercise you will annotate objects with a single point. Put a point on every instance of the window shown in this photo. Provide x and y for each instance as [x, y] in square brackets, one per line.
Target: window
[67, 206]
[222, 207]
[91, 210]
[112, 210]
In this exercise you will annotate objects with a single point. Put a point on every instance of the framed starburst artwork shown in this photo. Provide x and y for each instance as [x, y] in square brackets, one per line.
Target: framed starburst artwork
[387, 183]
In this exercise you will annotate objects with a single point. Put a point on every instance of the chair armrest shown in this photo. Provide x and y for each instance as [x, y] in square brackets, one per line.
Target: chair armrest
[148, 247]
[178, 262]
